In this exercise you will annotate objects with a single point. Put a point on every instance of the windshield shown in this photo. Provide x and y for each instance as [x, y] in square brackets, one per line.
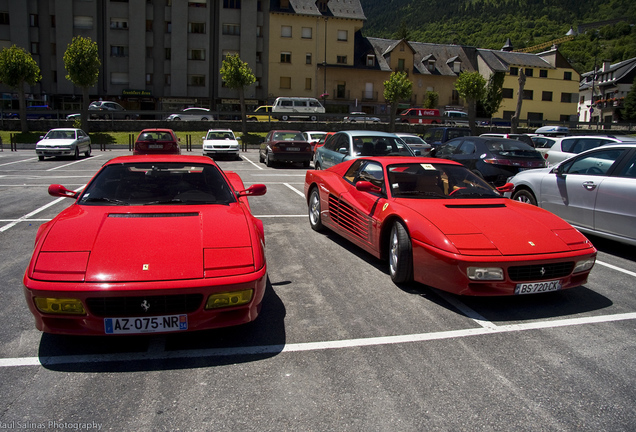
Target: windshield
[412, 140]
[157, 184]
[288, 136]
[380, 146]
[418, 180]
[219, 136]
[512, 148]
[60, 134]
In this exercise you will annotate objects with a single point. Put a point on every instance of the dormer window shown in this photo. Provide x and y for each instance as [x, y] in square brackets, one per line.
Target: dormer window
[429, 62]
[321, 5]
[455, 64]
[370, 60]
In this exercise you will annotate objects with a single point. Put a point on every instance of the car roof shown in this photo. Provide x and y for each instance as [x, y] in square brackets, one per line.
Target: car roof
[220, 130]
[356, 133]
[157, 130]
[64, 129]
[161, 158]
[286, 130]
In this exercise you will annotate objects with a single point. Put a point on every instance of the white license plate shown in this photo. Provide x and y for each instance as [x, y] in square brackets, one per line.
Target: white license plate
[293, 149]
[138, 325]
[537, 287]
[155, 146]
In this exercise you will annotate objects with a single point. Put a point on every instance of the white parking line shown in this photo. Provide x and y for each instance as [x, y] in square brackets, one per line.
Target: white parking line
[15, 162]
[253, 163]
[613, 267]
[154, 352]
[295, 190]
[73, 163]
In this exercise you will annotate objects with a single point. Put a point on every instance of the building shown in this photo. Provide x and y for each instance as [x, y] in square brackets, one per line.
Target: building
[602, 91]
[155, 54]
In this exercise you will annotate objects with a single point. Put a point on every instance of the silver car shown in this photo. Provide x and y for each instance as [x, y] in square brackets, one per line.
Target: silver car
[594, 191]
[193, 113]
[63, 142]
[416, 143]
[566, 147]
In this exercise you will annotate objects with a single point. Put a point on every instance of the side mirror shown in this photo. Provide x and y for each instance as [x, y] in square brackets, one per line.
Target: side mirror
[417, 152]
[238, 138]
[343, 150]
[254, 190]
[508, 187]
[365, 186]
[57, 190]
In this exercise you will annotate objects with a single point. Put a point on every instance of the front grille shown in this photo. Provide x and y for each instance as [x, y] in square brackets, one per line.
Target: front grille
[540, 271]
[132, 306]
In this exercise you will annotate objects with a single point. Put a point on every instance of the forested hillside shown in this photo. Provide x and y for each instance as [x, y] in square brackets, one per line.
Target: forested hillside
[488, 23]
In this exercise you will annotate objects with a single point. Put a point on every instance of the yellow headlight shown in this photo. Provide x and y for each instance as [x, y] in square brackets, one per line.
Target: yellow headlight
[63, 306]
[229, 299]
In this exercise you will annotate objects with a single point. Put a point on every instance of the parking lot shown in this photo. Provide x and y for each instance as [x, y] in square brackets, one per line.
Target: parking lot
[337, 347]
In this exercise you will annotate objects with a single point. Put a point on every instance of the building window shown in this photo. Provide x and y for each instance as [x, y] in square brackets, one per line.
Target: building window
[167, 79]
[35, 48]
[455, 97]
[54, 76]
[370, 60]
[567, 76]
[543, 73]
[196, 80]
[514, 71]
[529, 72]
[457, 66]
[307, 83]
[285, 57]
[564, 118]
[567, 97]
[232, 4]
[341, 59]
[118, 51]
[306, 32]
[197, 3]
[168, 26]
[546, 96]
[149, 79]
[259, 57]
[308, 58]
[4, 18]
[148, 25]
[507, 93]
[286, 31]
[52, 21]
[401, 65]
[119, 78]
[196, 28]
[196, 54]
[528, 94]
[431, 65]
[343, 35]
[168, 53]
[34, 21]
[259, 31]
[53, 49]
[83, 22]
[231, 29]
[118, 23]
[285, 82]
[149, 51]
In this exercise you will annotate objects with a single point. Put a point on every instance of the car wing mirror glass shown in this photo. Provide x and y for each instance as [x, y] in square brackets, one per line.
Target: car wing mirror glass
[365, 186]
[343, 150]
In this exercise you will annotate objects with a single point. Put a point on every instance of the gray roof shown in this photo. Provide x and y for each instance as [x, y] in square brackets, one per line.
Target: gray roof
[500, 61]
[337, 8]
[620, 70]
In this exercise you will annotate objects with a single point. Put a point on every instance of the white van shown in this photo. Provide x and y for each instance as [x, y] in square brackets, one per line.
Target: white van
[285, 108]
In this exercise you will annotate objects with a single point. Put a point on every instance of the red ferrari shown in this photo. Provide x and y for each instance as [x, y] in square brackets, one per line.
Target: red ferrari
[153, 244]
[441, 225]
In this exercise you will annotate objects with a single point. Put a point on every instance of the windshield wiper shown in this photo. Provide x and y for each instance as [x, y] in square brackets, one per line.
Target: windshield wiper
[105, 199]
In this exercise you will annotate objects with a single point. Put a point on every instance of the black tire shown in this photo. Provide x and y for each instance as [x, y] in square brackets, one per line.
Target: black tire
[313, 118]
[315, 220]
[306, 164]
[525, 196]
[284, 118]
[87, 153]
[316, 166]
[106, 117]
[176, 118]
[204, 119]
[400, 254]
[268, 162]
[40, 158]
[261, 159]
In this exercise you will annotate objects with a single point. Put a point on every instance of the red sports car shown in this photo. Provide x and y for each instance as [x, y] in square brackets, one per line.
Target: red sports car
[156, 141]
[153, 244]
[441, 225]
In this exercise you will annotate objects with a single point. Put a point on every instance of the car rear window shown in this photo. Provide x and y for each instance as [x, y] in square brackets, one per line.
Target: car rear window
[512, 148]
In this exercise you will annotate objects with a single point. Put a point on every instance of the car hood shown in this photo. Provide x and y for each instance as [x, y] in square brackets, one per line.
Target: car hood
[499, 227]
[120, 244]
[55, 142]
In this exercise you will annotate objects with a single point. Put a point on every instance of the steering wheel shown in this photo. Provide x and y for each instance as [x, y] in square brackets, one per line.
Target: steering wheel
[594, 170]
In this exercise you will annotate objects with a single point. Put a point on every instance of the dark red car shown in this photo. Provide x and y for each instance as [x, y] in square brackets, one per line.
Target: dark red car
[285, 146]
[157, 141]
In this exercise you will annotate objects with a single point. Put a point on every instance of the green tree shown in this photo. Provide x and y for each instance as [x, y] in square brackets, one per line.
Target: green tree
[81, 60]
[472, 87]
[629, 104]
[237, 75]
[492, 100]
[396, 89]
[17, 68]
[431, 100]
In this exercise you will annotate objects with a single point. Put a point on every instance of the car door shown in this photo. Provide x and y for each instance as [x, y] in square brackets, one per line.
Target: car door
[465, 154]
[615, 209]
[332, 150]
[571, 191]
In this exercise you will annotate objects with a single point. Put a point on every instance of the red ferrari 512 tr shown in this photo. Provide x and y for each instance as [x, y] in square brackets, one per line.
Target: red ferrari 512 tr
[441, 225]
[153, 244]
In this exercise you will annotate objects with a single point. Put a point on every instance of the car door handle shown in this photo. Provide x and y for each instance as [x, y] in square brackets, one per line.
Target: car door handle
[589, 185]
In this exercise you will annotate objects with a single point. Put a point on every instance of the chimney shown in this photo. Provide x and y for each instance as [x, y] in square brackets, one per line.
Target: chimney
[508, 46]
[606, 65]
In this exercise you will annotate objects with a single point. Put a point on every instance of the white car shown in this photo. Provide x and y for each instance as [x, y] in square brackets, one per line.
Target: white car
[313, 137]
[192, 114]
[416, 143]
[221, 142]
[594, 191]
[63, 142]
[566, 147]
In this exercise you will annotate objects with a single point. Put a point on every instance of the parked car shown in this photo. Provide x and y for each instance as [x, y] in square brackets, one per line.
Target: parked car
[285, 146]
[439, 224]
[552, 131]
[109, 110]
[419, 115]
[595, 191]
[313, 137]
[286, 108]
[542, 143]
[221, 142]
[455, 118]
[437, 136]
[153, 244]
[63, 142]
[566, 147]
[416, 143]
[262, 113]
[519, 137]
[493, 159]
[360, 117]
[156, 141]
[192, 114]
[34, 112]
[346, 145]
